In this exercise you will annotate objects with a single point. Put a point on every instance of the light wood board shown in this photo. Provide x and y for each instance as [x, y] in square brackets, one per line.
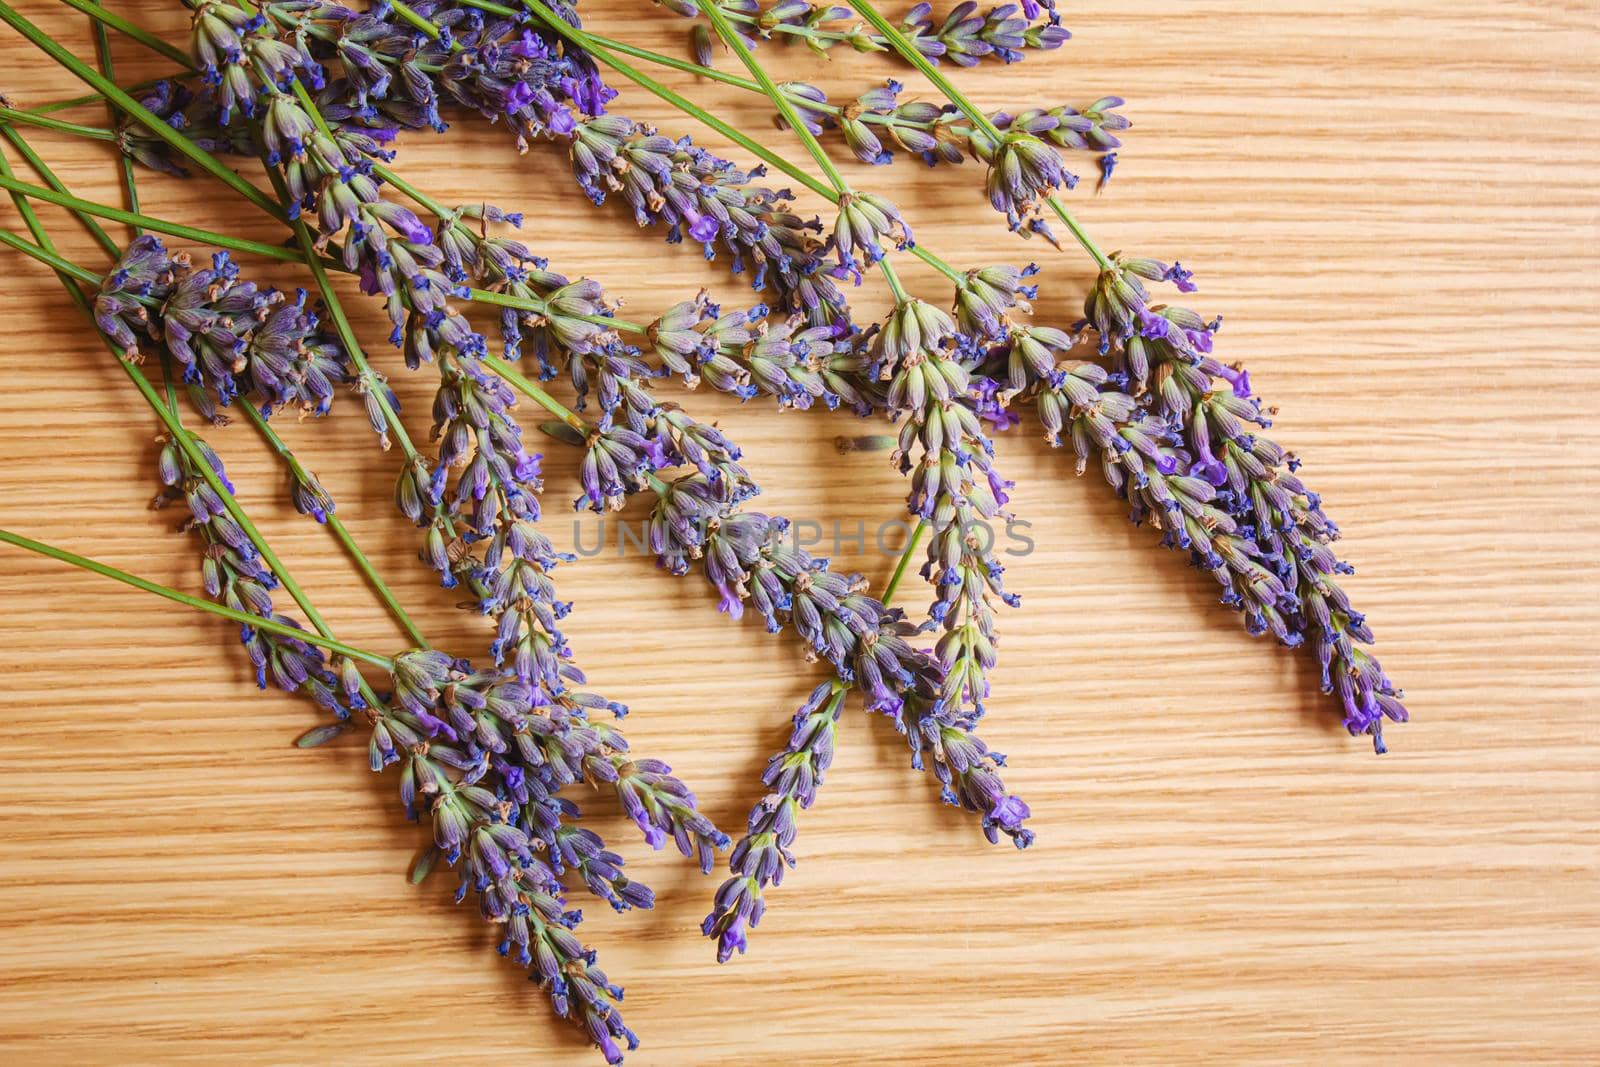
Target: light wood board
[1393, 205]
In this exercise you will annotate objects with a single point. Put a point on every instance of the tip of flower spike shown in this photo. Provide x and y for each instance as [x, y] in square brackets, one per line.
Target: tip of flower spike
[319, 735]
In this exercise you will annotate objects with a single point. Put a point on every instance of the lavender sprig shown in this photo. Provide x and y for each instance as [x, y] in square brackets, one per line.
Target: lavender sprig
[699, 197]
[751, 353]
[875, 124]
[963, 36]
[227, 336]
[1230, 495]
[760, 857]
[954, 487]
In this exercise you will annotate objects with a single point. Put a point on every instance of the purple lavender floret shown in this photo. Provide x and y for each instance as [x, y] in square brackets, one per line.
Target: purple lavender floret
[501, 69]
[141, 278]
[197, 117]
[227, 336]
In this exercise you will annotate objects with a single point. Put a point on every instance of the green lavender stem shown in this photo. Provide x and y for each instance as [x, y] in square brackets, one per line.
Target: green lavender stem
[199, 604]
[45, 122]
[129, 29]
[138, 219]
[102, 49]
[785, 106]
[906, 554]
[30, 157]
[427, 28]
[59, 196]
[108, 89]
[48, 258]
[340, 532]
[89, 99]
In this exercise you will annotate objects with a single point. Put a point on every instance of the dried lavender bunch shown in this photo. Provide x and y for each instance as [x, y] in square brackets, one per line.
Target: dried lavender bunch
[464, 813]
[566, 310]
[623, 392]
[515, 745]
[327, 170]
[520, 585]
[1023, 176]
[470, 401]
[1037, 183]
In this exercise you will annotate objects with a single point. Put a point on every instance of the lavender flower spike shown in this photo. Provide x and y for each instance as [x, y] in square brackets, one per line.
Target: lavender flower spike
[1189, 462]
[760, 857]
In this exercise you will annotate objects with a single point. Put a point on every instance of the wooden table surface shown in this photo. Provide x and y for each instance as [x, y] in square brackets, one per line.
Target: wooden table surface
[1393, 205]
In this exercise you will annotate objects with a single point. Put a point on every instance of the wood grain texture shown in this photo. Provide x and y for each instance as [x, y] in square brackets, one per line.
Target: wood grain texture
[1394, 206]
